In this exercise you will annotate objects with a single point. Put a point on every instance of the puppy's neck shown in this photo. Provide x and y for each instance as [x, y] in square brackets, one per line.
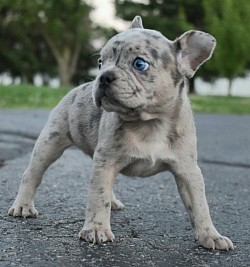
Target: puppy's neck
[146, 116]
[171, 109]
[174, 122]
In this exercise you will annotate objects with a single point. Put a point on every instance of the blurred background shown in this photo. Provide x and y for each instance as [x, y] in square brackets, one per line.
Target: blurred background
[49, 44]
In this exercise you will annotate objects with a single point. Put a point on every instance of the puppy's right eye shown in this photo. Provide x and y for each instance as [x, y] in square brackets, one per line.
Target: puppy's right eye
[99, 63]
[140, 64]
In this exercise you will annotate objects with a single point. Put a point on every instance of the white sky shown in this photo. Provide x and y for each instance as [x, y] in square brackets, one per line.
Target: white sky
[104, 14]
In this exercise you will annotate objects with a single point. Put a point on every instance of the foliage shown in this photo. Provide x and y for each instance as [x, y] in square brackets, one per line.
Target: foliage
[46, 33]
[170, 17]
[228, 21]
[18, 54]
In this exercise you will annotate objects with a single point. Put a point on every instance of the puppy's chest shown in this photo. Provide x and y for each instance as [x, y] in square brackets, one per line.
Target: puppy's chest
[151, 148]
[148, 155]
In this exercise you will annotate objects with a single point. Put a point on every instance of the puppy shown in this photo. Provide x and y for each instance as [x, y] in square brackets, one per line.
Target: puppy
[135, 119]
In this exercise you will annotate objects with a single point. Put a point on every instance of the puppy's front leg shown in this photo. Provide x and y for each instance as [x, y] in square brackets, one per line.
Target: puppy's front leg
[49, 146]
[97, 227]
[192, 190]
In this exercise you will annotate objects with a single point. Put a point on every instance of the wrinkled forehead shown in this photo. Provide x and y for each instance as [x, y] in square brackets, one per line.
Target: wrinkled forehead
[138, 40]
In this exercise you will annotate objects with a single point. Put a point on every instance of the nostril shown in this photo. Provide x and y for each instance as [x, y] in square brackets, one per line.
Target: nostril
[107, 77]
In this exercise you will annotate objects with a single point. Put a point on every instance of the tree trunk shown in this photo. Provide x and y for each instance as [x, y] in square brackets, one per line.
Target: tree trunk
[64, 74]
[26, 78]
[191, 86]
[46, 79]
[229, 90]
[66, 58]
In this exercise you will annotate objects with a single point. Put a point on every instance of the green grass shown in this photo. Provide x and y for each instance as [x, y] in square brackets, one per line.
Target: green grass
[220, 104]
[29, 96]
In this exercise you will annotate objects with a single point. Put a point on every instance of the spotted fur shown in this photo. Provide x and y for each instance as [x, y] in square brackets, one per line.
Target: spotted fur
[133, 122]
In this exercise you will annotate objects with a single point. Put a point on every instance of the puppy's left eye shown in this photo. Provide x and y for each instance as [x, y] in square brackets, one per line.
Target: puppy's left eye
[140, 64]
[99, 63]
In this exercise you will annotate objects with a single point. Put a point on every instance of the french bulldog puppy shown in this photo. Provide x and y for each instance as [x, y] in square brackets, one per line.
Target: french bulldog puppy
[134, 118]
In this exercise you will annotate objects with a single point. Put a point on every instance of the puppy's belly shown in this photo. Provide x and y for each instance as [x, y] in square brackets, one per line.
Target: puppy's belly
[144, 168]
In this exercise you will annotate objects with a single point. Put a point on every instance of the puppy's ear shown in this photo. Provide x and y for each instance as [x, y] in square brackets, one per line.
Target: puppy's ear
[136, 23]
[193, 49]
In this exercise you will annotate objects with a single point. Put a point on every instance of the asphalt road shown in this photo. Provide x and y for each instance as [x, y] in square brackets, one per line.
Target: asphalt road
[153, 230]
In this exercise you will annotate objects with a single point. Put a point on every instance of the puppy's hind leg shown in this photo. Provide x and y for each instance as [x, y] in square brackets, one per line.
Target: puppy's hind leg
[116, 204]
[50, 145]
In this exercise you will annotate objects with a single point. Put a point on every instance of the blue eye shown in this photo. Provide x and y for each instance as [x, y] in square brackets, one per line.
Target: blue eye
[140, 64]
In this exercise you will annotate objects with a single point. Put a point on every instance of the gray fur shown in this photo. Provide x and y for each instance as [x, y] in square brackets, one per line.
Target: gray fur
[133, 122]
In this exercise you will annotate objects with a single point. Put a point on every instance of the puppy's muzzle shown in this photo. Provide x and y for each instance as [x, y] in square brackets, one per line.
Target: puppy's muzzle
[105, 81]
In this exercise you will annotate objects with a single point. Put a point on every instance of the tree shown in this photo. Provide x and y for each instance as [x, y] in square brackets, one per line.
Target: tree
[170, 17]
[18, 55]
[228, 21]
[61, 28]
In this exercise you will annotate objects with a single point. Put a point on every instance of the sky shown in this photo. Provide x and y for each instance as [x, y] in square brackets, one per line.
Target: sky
[104, 14]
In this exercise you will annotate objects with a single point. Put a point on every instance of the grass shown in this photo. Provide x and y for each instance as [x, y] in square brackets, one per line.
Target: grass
[221, 104]
[29, 96]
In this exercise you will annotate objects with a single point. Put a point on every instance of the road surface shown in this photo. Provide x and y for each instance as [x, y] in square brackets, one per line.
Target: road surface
[153, 230]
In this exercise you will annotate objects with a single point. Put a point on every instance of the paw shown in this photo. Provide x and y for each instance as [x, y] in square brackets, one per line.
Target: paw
[116, 204]
[215, 242]
[96, 234]
[23, 209]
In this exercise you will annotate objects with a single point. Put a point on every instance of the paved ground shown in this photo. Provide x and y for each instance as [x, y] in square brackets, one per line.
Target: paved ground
[153, 230]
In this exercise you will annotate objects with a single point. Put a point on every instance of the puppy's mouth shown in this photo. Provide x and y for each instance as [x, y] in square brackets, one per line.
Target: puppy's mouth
[113, 105]
[105, 96]
[110, 104]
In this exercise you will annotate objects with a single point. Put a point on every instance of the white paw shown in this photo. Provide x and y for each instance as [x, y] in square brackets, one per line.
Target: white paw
[96, 234]
[116, 204]
[23, 209]
[216, 241]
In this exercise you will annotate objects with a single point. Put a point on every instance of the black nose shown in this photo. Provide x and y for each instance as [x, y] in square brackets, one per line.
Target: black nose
[107, 78]
[104, 82]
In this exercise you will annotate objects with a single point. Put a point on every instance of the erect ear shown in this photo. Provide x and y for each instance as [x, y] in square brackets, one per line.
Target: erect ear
[193, 49]
[136, 23]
